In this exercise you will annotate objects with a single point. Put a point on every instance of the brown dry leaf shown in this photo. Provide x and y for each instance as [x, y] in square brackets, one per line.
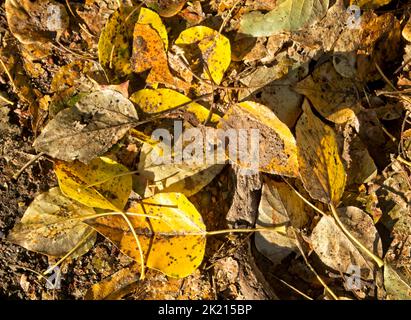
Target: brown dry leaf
[277, 152]
[169, 228]
[336, 250]
[36, 22]
[116, 286]
[89, 128]
[279, 205]
[321, 169]
[332, 95]
[370, 4]
[149, 54]
[396, 286]
[406, 32]
[51, 225]
[276, 88]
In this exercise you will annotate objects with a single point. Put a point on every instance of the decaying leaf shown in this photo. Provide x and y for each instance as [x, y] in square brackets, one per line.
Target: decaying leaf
[166, 8]
[115, 43]
[321, 169]
[336, 250]
[36, 22]
[115, 286]
[214, 47]
[397, 288]
[103, 183]
[172, 235]
[289, 15]
[369, 4]
[89, 128]
[332, 95]
[279, 205]
[152, 19]
[51, 226]
[151, 101]
[184, 178]
[277, 151]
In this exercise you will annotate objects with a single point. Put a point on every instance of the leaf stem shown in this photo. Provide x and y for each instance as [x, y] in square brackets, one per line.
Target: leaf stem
[379, 262]
[280, 229]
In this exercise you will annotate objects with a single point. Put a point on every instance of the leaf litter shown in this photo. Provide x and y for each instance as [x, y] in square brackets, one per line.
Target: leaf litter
[330, 193]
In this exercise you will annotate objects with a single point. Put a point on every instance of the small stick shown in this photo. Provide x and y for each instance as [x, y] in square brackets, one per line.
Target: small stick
[18, 173]
[8, 75]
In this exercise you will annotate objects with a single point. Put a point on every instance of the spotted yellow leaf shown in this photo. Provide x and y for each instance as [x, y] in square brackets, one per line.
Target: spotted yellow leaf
[151, 18]
[170, 229]
[152, 101]
[103, 183]
[115, 43]
[215, 49]
[321, 169]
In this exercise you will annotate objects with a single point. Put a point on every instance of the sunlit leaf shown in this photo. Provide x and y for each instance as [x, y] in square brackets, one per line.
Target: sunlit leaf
[103, 183]
[51, 226]
[166, 8]
[215, 49]
[397, 288]
[172, 235]
[153, 101]
[152, 19]
[115, 43]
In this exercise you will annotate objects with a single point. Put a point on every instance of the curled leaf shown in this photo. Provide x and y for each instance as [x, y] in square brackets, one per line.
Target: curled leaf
[51, 226]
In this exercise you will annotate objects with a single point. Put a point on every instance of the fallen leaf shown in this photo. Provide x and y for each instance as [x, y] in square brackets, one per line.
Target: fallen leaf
[369, 4]
[89, 128]
[149, 54]
[336, 250]
[51, 226]
[172, 236]
[103, 183]
[279, 205]
[321, 169]
[397, 288]
[332, 95]
[115, 286]
[36, 21]
[166, 8]
[214, 47]
[151, 101]
[406, 32]
[184, 178]
[289, 15]
[115, 42]
[277, 151]
[152, 19]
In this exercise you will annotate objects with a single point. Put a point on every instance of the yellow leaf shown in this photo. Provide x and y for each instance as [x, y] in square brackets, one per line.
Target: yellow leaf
[370, 4]
[321, 169]
[101, 184]
[149, 54]
[152, 101]
[51, 226]
[172, 234]
[153, 20]
[114, 46]
[277, 146]
[214, 47]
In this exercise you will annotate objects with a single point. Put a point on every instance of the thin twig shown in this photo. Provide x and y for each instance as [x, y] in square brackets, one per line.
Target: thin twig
[18, 173]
